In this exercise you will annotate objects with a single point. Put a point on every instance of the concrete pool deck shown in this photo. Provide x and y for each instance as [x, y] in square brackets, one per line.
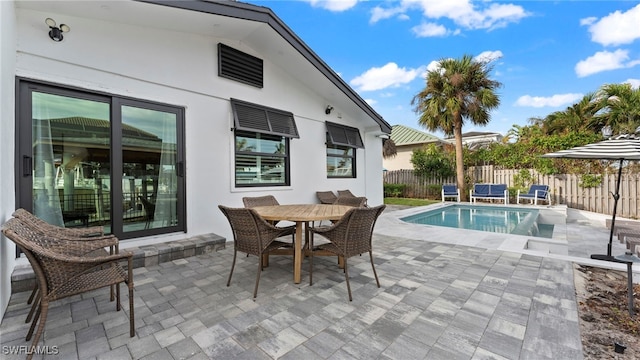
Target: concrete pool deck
[444, 295]
[574, 239]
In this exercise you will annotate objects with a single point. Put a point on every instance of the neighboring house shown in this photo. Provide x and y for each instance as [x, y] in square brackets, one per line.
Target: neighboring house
[407, 140]
[183, 105]
[477, 139]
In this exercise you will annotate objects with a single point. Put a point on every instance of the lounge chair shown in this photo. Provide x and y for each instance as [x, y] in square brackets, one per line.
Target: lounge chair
[536, 193]
[490, 192]
[450, 191]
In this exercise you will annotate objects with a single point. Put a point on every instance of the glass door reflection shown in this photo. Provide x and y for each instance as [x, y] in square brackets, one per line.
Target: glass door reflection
[149, 168]
[71, 160]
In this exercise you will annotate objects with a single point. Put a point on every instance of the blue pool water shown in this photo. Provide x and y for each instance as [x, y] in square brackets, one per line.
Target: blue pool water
[517, 221]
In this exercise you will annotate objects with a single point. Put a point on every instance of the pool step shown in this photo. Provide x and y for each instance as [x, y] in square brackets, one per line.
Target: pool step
[548, 246]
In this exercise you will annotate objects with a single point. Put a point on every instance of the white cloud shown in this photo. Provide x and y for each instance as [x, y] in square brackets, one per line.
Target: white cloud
[551, 101]
[429, 30]
[588, 21]
[334, 5]
[379, 13]
[616, 28]
[433, 65]
[390, 75]
[371, 101]
[488, 56]
[635, 83]
[476, 15]
[496, 16]
[603, 61]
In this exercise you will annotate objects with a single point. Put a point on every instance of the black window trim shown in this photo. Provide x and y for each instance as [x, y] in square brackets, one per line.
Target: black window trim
[353, 161]
[342, 135]
[285, 156]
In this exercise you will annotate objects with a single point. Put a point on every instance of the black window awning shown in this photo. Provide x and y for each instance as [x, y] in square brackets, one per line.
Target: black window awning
[343, 135]
[262, 119]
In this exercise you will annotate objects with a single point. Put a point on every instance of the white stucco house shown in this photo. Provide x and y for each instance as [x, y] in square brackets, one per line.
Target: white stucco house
[143, 116]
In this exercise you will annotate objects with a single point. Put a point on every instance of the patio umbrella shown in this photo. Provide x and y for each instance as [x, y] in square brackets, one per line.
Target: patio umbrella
[621, 148]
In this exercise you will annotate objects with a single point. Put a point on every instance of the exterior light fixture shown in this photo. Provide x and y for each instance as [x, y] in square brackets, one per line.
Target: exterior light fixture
[328, 109]
[55, 33]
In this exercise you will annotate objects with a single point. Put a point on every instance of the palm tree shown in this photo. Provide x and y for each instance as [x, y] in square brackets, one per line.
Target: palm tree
[458, 90]
[389, 149]
[575, 118]
[621, 108]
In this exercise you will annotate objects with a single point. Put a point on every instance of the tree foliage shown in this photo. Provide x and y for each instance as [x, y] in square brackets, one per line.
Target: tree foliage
[614, 106]
[432, 161]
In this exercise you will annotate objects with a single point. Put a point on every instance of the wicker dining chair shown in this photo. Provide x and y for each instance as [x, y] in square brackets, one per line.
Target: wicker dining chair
[63, 270]
[72, 234]
[350, 236]
[253, 235]
[267, 200]
[326, 197]
[253, 201]
[355, 201]
[345, 193]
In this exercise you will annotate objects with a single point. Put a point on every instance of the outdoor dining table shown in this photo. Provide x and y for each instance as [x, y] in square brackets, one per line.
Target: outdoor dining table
[301, 214]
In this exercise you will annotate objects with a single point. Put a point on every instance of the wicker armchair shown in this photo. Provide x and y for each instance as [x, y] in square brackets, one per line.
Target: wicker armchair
[57, 231]
[62, 269]
[254, 236]
[71, 234]
[350, 236]
[326, 197]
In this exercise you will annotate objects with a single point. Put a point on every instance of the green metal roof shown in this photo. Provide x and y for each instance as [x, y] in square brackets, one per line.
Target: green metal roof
[404, 135]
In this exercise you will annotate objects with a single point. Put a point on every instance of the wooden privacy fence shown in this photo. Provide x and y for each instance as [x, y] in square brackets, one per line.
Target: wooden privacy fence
[420, 187]
[565, 189]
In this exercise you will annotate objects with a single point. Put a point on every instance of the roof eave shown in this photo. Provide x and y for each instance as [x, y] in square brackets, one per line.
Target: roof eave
[265, 15]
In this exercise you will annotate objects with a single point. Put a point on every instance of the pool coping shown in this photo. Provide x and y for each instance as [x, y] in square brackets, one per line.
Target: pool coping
[389, 224]
[392, 225]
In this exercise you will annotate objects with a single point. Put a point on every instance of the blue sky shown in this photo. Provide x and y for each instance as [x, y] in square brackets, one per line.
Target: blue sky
[548, 53]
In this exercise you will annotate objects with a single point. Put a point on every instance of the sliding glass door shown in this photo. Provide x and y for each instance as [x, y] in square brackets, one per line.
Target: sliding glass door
[149, 167]
[93, 159]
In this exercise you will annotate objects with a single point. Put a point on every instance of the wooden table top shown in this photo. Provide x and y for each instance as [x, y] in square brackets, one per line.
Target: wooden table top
[302, 212]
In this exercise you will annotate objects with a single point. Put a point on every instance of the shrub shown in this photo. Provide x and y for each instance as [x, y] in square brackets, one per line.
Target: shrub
[394, 190]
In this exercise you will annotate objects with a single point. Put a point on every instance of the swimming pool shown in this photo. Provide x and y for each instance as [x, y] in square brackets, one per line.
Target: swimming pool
[497, 219]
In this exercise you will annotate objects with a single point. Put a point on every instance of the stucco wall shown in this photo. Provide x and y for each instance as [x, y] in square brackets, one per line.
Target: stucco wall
[402, 160]
[7, 197]
[181, 69]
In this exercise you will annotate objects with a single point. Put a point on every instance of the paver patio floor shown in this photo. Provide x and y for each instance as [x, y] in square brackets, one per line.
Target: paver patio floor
[436, 301]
